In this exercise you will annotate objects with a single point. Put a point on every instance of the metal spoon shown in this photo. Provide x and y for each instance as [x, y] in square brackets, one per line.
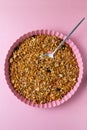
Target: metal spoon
[62, 43]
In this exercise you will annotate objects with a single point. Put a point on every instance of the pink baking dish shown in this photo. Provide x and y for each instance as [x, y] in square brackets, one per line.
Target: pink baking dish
[75, 51]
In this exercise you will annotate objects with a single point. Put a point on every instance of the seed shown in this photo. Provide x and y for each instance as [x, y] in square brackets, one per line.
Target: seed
[39, 61]
[58, 89]
[16, 48]
[48, 70]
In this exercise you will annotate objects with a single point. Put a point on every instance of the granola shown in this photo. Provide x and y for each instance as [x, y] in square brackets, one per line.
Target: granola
[43, 80]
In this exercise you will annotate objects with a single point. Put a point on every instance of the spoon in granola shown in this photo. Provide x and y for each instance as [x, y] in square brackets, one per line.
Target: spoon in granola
[51, 55]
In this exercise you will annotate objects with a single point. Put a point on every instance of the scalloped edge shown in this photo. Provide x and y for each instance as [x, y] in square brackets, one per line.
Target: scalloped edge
[76, 53]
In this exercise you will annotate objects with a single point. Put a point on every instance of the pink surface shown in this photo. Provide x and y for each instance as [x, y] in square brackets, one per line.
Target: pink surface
[21, 16]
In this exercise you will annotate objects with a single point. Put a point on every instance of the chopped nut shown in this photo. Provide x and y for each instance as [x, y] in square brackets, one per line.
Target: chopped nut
[11, 60]
[37, 89]
[56, 64]
[26, 69]
[60, 75]
[14, 56]
[12, 81]
[74, 79]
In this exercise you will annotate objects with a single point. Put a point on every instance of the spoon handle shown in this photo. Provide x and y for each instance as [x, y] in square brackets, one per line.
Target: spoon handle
[63, 42]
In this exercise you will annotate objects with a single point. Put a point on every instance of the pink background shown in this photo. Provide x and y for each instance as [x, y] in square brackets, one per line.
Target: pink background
[21, 16]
